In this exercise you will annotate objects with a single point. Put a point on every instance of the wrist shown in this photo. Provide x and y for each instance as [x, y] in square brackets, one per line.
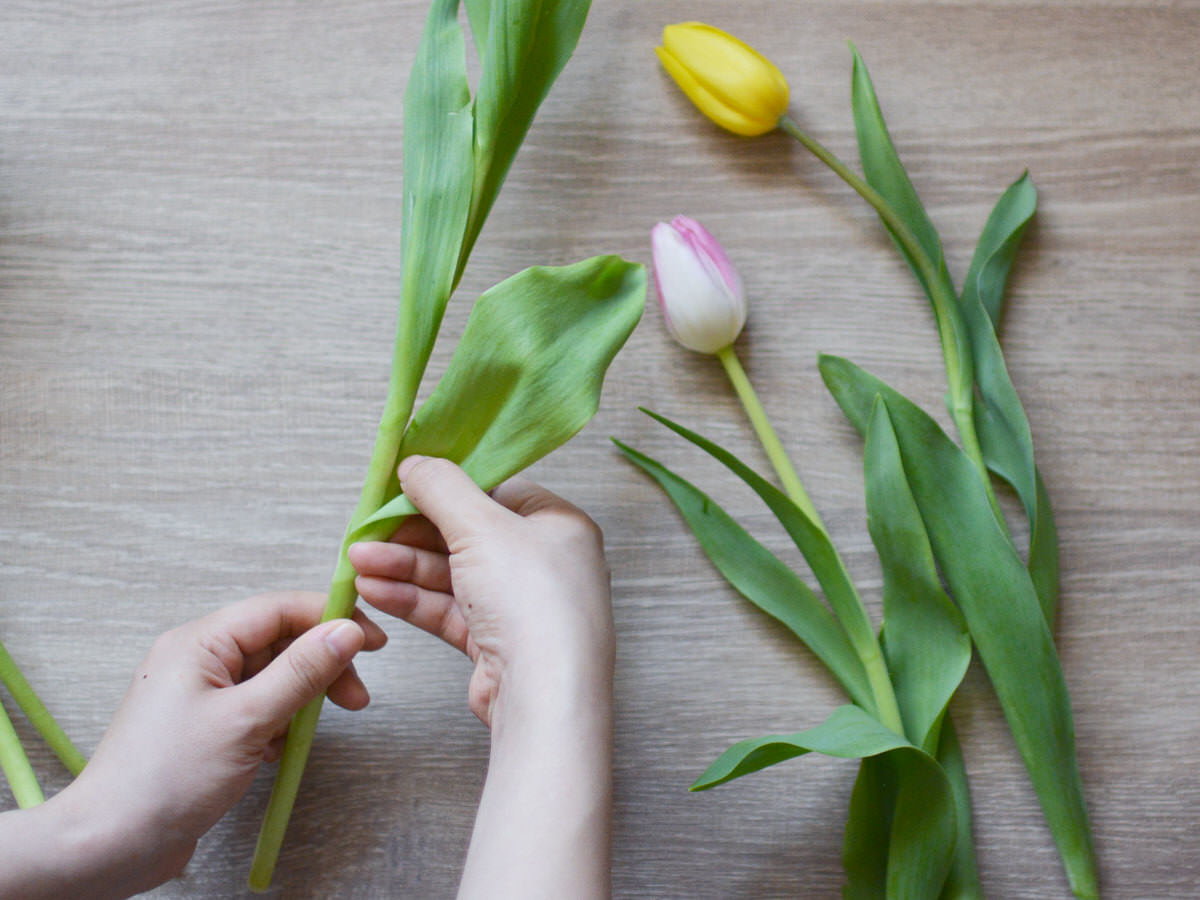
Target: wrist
[111, 846]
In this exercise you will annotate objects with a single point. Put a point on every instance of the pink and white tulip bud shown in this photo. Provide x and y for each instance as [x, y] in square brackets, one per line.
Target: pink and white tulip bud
[699, 289]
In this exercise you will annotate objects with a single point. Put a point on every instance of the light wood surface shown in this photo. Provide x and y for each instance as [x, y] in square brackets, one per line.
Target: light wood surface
[199, 255]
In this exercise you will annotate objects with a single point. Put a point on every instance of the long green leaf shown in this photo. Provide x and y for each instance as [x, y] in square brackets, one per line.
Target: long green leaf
[999, 602]
[527, 373]
[760, 577]
[1003, 428]
[962, 882]
[927, 645]
[439, 170]
[884, 171]
[922, 831]
[811, 539]
[528, 43]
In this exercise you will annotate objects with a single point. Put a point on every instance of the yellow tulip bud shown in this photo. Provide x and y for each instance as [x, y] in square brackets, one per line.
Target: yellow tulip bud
[730, 82]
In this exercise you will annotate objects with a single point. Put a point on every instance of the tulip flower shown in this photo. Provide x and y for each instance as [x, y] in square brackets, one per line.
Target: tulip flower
[729, 81]
[699, 289]
[704, 305]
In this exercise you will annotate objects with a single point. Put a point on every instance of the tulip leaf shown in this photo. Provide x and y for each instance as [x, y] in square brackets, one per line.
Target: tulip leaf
[528, 43]
[926, 643]
[962, 882]
[999, 603]
[884, 171]
[760, 577]
[866, 851]
[527, 373]
[811, 539]
[438, 174]
[1000, 420]
[921, 833]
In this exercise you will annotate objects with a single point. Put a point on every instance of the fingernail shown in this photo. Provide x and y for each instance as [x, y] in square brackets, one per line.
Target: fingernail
[345, 641]
[407, 464]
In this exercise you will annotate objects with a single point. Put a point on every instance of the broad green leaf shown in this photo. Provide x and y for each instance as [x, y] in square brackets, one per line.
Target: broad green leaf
[479, 14]
[921, 834]
[760, 577]
[866, 850]
[865, 847]
[438, 174]
[927, 645]
[884, 171]
[962, 882]
[528, 43]
[812, 540]
[527, 373]
[999, 602]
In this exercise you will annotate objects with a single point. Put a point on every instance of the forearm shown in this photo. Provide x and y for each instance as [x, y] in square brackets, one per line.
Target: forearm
[543, 829]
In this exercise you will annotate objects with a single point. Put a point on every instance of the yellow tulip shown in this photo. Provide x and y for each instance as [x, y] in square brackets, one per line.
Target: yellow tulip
[729, 81]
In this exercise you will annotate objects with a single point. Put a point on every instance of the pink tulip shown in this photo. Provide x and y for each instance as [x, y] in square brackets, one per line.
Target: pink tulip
[698, 288]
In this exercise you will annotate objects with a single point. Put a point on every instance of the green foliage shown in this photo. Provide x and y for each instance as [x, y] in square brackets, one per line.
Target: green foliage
[760, 577]
[998, 600]
[921, 832]
[526, 374]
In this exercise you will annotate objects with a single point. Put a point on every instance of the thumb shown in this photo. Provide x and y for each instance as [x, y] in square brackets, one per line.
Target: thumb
[302, 672]
[447, 497]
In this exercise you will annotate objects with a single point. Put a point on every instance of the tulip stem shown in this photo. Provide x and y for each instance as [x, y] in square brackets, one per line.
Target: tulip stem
[851, 612]
[792, 485]
[339, 605]
[15, 765]
[956, 349]
[38, 715]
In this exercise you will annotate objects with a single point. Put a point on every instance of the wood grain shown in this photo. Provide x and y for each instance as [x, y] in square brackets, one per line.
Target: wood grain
[199, 239]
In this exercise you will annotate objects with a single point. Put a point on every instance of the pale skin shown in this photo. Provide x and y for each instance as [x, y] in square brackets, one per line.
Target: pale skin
[515, 580]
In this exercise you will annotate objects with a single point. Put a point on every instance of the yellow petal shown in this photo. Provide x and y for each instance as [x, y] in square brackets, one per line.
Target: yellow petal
[734, 74]
[723, 115]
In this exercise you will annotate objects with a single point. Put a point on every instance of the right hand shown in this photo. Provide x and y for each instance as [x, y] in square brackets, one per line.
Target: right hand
[517, 581]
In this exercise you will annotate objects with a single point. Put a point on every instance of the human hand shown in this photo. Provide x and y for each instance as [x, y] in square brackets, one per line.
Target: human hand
[210, 703]
[517, 581]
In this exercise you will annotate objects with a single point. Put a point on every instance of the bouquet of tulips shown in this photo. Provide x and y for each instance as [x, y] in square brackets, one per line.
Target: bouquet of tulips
[952, 573]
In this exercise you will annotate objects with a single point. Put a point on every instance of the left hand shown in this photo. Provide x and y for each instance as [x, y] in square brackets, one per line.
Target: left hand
[208, 705]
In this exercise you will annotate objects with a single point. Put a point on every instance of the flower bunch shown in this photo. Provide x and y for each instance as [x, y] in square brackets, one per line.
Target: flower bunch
[953, 575]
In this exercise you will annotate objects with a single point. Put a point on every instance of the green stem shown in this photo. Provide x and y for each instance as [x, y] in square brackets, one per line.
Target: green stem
[849, 609]
[15, 765]
[766, 434]
[951, 329]
[38, 715]
[339, 605]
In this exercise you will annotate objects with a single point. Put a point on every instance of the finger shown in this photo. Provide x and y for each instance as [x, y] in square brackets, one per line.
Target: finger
[525, 497]
[418, 531]
[255, 662]
[447, 496]
[398, 562]
[431, 611]
[303, 672]
[348, 690]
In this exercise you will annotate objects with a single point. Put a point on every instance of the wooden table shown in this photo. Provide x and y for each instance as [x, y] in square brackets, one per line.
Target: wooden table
[199, 257]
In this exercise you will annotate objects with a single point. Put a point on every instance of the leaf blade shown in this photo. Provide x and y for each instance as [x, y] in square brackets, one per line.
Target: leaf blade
[759, 576]
[528, 370]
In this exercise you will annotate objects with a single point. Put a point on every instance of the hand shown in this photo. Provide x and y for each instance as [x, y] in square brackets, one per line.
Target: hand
[518, 582]
[209, 704]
